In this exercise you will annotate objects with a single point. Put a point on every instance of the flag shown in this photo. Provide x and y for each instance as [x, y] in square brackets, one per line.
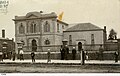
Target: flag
[60, 16]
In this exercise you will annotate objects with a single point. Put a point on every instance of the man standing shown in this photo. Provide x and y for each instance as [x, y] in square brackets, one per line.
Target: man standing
[86, 55]
[33, 56]
[101, 52]
[2, 56]
[62, 53]
[10, 54]
[82, 57]
[116, 56]
[66, 49]
[14, 56]
[48, 53]
[21, 54]
[73, 53]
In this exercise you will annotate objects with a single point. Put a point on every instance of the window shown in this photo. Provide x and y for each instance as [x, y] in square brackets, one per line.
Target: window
[62, 26]
[46, 27]
[21, 29]
[58, 27]
[33, 27]
[92, 39]
[70, 39]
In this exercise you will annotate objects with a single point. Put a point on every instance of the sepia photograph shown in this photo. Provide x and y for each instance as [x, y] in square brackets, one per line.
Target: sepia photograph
[59, 37]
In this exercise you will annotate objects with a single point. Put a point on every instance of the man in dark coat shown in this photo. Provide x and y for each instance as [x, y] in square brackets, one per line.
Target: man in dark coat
[33, 56]
[48, 54]
[62, 53]
[14, 56]
[101, 52]
[116, 56]
[66, 49]
[73, 53]
[10, 55]
[2, 56]
[82, 57]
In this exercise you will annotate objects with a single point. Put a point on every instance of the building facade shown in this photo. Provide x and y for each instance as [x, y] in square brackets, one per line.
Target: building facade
[7, 46]
[38, 32]
[90, 35]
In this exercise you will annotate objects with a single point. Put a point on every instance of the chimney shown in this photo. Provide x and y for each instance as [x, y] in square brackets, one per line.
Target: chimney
[3, 33]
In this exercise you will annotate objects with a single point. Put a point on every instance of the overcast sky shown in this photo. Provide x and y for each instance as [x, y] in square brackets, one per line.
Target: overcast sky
[99, 12]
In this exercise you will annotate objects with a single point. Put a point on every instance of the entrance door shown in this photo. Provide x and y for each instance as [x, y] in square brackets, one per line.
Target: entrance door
[79, 46]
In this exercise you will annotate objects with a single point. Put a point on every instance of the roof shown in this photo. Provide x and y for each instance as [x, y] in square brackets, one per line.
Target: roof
[83, 27]
[37, 15]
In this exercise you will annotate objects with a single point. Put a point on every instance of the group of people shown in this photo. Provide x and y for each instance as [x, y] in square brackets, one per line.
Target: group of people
[21, 53]
[65, 53]
[10, 55]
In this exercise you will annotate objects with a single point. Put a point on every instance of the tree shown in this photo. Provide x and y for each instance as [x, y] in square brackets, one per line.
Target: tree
[112, 35]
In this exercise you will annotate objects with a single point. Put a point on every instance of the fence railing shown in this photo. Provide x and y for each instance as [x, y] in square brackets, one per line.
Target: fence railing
[88, 47]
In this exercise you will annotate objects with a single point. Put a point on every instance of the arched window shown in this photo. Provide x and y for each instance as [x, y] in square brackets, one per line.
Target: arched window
[21, 29]
[46, 27]
[33, 27]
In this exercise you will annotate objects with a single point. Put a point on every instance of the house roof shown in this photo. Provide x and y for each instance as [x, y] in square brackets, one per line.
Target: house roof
[37, 15]
[83, 27]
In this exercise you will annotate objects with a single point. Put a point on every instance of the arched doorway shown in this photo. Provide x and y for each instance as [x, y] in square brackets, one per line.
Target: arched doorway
[79, 46]
[34, 45]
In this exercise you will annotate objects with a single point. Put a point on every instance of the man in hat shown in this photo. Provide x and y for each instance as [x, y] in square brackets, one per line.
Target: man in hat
[73, 53]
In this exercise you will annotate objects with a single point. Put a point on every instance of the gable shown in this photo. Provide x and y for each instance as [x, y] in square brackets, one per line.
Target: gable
[33, 15]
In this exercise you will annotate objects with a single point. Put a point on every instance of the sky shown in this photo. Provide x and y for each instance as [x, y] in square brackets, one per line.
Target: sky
[99, 12]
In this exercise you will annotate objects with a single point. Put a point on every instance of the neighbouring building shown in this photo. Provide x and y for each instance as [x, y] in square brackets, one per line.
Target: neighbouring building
[90, 35]
[6, 45]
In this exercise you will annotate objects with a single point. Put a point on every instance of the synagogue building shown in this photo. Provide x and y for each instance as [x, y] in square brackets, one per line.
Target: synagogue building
[39, 32]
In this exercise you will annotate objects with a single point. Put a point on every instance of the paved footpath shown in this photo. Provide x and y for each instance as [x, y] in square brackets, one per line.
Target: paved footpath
[76, 62]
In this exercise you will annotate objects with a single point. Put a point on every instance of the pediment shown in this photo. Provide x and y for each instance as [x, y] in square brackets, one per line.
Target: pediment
[31, 16]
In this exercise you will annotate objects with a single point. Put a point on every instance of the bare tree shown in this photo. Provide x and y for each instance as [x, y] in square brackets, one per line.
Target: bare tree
[112, 35]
